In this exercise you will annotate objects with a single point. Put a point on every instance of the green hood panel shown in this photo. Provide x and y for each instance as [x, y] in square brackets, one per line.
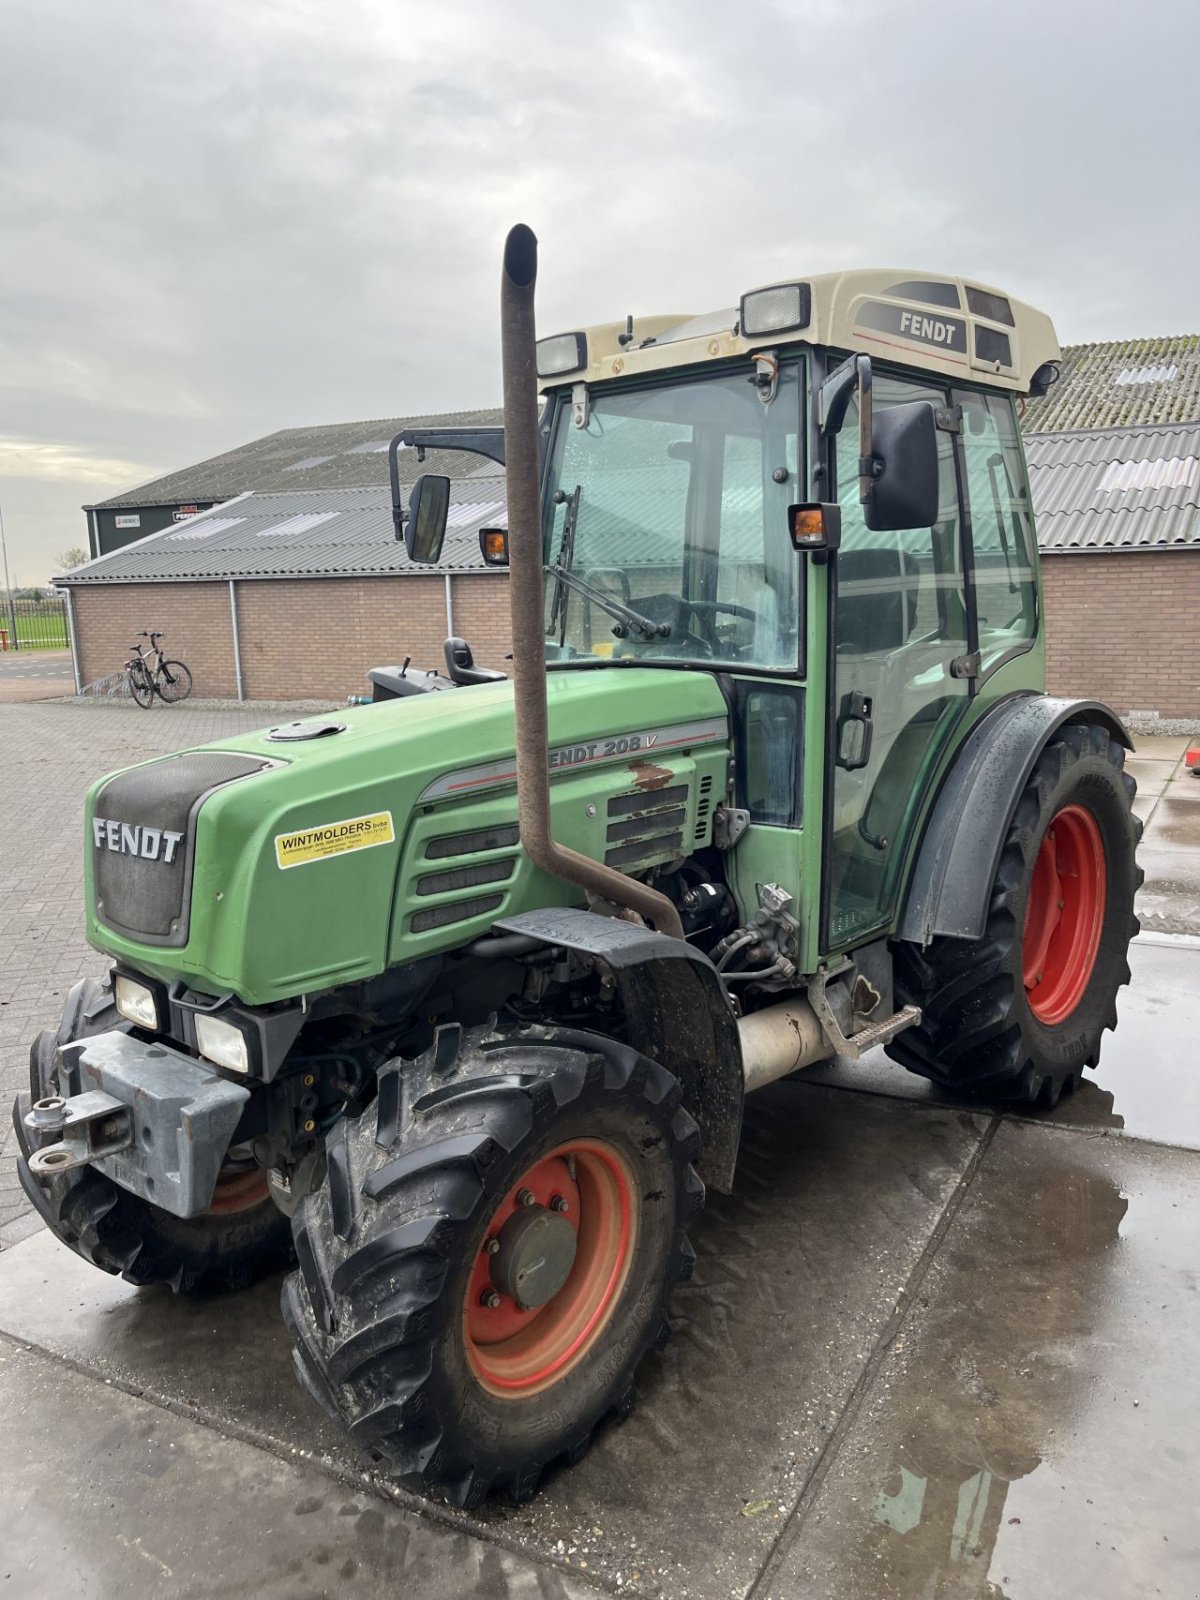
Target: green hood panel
[395, 838]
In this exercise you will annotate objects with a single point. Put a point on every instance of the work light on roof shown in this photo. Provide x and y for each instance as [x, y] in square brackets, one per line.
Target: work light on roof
[775, 310]
[564, 352]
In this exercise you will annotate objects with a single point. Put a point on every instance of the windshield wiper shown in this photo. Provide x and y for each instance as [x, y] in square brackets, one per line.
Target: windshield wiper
[623, 614]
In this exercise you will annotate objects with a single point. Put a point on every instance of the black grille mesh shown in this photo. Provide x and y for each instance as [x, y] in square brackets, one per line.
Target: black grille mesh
[138, 890]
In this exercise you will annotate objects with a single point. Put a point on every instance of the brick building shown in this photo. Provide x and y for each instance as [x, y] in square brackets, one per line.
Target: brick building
[1114, 464]
[293, 596]
[292, 585]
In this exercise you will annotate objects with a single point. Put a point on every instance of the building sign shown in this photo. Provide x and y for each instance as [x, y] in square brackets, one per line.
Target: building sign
[134, 521]
[183, 513]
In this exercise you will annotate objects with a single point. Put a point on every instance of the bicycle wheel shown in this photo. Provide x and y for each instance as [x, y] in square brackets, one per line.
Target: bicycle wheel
[174, 682]
[140, 686]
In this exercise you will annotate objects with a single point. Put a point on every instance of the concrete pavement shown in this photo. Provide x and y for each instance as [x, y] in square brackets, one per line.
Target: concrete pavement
[930, 1349]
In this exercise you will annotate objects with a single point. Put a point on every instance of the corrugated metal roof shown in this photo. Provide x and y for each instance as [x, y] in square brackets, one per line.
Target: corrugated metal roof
[1124, 384]
[327, 533]
[1116, 488]
[339, 455]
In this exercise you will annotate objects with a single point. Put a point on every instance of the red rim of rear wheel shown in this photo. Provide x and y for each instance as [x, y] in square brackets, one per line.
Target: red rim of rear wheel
[515, 1352]
[1064, 915]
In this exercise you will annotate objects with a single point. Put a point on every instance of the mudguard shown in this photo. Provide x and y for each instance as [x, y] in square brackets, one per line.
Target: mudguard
[951, 882]
[677, 1015]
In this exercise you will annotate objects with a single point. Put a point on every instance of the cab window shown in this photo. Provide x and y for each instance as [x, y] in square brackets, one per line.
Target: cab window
[1001, 526]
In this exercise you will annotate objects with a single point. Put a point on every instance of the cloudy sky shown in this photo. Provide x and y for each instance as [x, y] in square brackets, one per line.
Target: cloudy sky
[223, 217]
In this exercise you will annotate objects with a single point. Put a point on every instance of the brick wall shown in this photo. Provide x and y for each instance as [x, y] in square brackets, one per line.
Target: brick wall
[1125, 628]
[194, 617]
[301, 638]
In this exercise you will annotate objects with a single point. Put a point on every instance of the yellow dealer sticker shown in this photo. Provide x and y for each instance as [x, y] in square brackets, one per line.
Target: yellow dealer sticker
[333, 839]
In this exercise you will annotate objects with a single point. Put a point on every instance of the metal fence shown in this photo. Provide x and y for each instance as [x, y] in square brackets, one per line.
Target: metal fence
[29, 624]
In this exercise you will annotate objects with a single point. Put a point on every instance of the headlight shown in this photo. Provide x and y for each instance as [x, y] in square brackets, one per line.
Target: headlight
[774, 310]
[136, 1002]
[222, 1043]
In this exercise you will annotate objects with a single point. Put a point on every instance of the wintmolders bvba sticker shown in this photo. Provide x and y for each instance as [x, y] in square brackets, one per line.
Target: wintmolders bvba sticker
[333, 839]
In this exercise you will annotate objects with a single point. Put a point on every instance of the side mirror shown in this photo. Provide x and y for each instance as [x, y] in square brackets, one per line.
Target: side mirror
[903, 491]
[425, 525]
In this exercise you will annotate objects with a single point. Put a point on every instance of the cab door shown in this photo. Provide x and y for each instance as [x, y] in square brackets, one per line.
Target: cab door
[899, 647]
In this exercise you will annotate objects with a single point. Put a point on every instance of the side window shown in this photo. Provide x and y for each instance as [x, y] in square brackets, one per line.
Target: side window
[1001, 526]
[898, 587]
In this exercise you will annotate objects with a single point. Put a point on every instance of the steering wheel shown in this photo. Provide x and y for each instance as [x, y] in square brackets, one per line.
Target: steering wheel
[715, 608]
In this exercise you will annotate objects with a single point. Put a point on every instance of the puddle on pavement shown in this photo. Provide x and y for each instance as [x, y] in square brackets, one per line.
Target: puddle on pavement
[1147, 1084]
[1035, 1428]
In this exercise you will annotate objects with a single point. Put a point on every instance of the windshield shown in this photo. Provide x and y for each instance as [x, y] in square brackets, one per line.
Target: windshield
[666, 525]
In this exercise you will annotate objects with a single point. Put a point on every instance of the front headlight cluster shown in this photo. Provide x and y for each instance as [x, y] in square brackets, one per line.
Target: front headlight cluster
[222, 1043]
[137, 1003]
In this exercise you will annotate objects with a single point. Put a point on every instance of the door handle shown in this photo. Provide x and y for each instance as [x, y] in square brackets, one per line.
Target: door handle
[855, 713]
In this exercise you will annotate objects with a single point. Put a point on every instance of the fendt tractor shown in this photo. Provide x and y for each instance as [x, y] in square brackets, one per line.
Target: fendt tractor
[449, 1003]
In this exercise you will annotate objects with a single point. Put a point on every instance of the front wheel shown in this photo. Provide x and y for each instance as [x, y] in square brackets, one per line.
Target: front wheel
[491, 1255]
[1019, 1014]
[174, 682]
[141, 688]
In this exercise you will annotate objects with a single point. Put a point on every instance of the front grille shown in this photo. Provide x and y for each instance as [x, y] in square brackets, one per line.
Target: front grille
[143, 833]
[465, 877]
[469, 844]
[456, 911]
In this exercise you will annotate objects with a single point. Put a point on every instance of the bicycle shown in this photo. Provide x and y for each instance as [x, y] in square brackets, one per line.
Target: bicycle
[150, 674]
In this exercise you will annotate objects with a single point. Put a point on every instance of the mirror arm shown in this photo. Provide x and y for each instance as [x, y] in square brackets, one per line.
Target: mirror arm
[869, 465]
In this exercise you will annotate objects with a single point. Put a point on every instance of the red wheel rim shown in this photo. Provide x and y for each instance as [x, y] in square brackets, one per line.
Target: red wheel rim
[238, 1189]
[515, 1352]
[1064, 915]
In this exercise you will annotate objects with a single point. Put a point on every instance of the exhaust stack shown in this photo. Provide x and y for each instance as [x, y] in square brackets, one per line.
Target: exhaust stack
[525, 597]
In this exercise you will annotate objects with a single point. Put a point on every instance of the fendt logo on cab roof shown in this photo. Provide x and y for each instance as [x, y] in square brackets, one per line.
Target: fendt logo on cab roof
[135, 839]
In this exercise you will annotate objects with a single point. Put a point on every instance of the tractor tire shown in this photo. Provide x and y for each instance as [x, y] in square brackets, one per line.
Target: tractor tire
[242, 1238]
[402, 1332]
[1018, 1014]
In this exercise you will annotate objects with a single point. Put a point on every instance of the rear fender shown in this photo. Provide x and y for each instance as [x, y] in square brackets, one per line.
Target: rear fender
[677, 1014]
[951, 883]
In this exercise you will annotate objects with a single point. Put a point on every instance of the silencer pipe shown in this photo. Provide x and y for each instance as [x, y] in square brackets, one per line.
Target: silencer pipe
[519, 356]
[780, 1039]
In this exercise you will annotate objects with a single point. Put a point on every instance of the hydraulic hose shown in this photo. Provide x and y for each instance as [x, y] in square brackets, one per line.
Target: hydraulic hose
[519, 356]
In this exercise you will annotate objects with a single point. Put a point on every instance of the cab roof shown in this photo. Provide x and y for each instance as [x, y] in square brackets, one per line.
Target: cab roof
[954, 327]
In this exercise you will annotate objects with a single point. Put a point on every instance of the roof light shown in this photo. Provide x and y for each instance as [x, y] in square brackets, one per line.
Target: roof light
[563, 352]
[775, 310]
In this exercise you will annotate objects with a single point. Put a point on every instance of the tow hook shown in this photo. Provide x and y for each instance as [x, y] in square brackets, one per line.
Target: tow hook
[74, 1132]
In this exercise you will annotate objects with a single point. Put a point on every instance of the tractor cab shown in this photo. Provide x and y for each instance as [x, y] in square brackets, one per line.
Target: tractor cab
[818, 497]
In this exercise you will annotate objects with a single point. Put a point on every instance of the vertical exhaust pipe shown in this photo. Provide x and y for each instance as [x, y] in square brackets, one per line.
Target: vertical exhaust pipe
[519, 358]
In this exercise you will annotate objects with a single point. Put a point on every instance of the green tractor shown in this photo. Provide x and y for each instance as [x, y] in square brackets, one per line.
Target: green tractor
[449, 1003]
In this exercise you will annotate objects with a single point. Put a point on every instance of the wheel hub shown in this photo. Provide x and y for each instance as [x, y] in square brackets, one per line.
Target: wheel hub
[536, 1254]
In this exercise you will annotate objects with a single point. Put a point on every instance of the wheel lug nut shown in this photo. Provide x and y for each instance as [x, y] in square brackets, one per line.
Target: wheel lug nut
[491, 1247]
[526, 1197]
[559, 1204]
[489, 1299]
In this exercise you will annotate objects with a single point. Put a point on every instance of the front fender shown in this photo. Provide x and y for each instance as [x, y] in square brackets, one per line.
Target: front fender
[677, 1014]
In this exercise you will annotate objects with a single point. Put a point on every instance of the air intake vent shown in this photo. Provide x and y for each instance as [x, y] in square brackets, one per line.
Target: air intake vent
[469, 844]
[703, 807]
[465, 877]
[646, 827]
[459, 911]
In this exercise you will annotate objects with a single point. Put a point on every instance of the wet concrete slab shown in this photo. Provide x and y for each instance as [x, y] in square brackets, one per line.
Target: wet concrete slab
[1035, 1427]
[1175, 824]
[1147, 1084]
[103, 1494]
[1152, 776]
[1160, 746]
[1169, 899]
[797, 1275]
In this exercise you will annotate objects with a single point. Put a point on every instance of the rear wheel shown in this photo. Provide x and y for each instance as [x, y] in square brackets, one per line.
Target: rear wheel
[240, 1238]
[1019, 1014]
[491, 1254]
[174, 682]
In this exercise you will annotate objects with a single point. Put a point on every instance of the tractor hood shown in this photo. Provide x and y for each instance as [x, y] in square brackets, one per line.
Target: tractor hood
[319, 852]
